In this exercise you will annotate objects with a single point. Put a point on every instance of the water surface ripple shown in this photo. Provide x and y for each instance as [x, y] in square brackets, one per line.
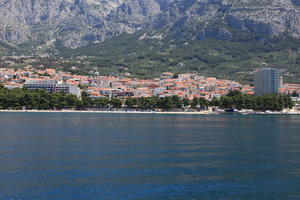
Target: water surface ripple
[52, 156]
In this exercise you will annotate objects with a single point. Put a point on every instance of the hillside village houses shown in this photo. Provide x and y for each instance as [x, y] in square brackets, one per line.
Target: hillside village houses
[183, 85]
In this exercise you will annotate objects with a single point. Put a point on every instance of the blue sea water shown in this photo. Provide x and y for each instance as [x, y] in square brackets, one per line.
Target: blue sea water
[64, 156]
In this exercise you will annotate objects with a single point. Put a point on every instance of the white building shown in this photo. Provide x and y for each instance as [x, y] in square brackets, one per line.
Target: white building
[268, 81]
[53, 86]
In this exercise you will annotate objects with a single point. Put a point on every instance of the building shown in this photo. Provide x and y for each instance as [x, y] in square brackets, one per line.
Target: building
[167, 75]
[268, 81]
[52, 86]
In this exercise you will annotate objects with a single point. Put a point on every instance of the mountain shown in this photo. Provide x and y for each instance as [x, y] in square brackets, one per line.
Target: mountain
[80, 22]
[224, 38]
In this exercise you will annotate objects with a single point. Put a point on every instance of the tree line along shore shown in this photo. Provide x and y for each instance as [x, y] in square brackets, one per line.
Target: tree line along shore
[18, 99]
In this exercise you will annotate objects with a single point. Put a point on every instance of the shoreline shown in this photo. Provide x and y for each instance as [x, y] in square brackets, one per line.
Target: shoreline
[146, 112]
[104, 112]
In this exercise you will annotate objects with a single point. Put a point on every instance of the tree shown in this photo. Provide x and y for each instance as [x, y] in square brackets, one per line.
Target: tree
[177, 103]
[39, 99]
[226, 102]
[215, 102]
[203, 102]
[234, 93]
[195, 103]
[71, 100]
[131, 102]
[86, 100]
[101, 102]
[295, 94]
[186, 102]
[116, 103]
[166, 103]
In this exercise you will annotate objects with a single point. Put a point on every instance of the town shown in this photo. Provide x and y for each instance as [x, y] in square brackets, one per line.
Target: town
[185, 86]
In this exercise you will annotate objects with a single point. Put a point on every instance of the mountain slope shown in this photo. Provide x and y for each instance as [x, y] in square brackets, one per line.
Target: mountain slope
[75, 22]
[39, 23]
[224, 38]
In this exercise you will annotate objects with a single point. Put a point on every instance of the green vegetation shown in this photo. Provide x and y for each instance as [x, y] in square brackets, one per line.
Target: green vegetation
[40, 99]
[22, 98]
[232, 59]
[236, 99]
[6, 49]
[151, 103]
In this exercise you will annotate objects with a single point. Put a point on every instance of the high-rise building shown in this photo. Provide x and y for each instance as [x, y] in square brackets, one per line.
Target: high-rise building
[268, 81]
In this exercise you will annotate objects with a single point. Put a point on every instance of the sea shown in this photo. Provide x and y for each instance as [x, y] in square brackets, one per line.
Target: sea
[86, 156]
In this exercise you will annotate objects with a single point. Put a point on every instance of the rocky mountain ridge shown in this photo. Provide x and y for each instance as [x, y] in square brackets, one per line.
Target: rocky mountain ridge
[40, 23]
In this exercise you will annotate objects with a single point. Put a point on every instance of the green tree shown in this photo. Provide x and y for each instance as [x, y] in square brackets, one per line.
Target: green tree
[131, 102]
[215, 102]
[101, 102]
[195, 103]
[186, 102]
[295, 94]
[166, 103]
[116, 103]
[177, 103]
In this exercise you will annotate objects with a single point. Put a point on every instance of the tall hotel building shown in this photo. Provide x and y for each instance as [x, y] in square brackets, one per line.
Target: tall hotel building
[268, 81]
